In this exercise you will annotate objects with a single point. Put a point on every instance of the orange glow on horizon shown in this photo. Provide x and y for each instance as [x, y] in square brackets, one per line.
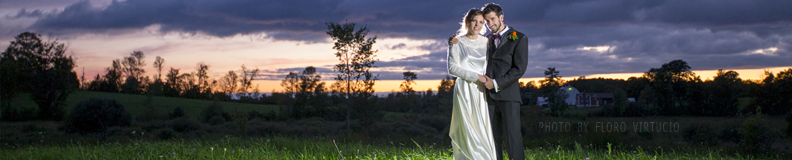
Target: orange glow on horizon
[423, 85]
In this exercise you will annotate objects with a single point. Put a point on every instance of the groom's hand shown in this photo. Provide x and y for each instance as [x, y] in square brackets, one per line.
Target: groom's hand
[489, 84]
[453, 40]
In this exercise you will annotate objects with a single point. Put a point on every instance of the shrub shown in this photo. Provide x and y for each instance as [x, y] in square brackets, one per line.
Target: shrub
[634, 109]
[730, 133]
[150, 113]
[13, 113]
[699, 134]
[216, 120]
[97, 114]
[271, 115]
[756, 136]
[611, 110]
[253, 114]
[166, 134]
[214, 114]
[789, 124]
[177, 112]
[183, 125]
[437, 122]
[646, 135]
[403, 130]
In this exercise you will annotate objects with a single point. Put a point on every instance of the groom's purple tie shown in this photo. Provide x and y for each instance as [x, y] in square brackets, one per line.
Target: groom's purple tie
[495, 36]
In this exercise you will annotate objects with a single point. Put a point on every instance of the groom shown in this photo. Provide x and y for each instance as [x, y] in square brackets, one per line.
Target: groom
[507, 58]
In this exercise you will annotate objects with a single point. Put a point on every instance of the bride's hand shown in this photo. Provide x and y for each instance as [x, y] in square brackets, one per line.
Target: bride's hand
[453, 40]
[482, 79]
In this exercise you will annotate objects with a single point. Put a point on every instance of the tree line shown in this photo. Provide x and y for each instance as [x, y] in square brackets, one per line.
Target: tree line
[40, 67]
[127, 75]
[673, 89]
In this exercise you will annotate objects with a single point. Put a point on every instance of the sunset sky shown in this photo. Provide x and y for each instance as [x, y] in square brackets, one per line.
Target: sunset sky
[601, 38]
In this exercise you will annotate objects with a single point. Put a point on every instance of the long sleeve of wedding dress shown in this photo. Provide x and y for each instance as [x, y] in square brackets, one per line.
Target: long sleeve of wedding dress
[470, 131]
[454, 64]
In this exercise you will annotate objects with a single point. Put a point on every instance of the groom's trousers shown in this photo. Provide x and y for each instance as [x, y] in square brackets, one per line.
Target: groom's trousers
[505, 119]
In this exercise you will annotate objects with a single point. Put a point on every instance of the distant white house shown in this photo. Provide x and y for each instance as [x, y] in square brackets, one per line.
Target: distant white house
[580, 99]
[237, 96]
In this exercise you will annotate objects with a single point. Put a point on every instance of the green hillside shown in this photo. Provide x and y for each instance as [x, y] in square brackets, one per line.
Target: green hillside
[134, 103]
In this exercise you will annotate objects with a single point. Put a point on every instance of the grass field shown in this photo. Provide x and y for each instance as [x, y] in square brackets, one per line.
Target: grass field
[135, 103]
[290, 148]
[542, 144]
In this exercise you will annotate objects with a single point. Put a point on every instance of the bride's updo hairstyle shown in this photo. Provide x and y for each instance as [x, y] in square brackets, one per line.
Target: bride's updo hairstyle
[466, 20]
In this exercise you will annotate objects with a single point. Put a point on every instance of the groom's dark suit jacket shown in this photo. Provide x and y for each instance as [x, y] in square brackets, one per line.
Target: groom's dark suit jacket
[506, 65]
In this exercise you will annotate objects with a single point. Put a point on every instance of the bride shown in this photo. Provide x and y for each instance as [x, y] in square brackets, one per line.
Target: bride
[470, 131]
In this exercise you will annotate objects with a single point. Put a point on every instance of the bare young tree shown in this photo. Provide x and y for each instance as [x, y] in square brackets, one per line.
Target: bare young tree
[354, 51]
[158, 64]
[229, 82]
[246, 81]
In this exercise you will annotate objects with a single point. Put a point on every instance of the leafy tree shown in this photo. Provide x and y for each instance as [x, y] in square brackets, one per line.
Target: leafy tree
[304, 87]
[197, 84]
[132, 68]
[132, 85]
[528, 92]
[365, 103]
[229, 82]
[189, 86]
[133, 64]
[156, 88]
[635, 85]
[354, 51]
[409, 79]
[783, 82]
[246, 79]
[302, 83]
[40, 67]
[774, 93]
[309, 81]
[670, 81]
[445, 94]
[173, 83]
[202, 75]
[113, 77]
[408, 100]
[726, 91]
[291, 83]
[556, 99]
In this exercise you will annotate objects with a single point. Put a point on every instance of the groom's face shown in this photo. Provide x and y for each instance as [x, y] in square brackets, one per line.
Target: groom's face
[494, 22]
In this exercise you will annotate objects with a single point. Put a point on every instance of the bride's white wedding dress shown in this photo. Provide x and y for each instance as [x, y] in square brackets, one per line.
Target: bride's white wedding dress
[470, 131]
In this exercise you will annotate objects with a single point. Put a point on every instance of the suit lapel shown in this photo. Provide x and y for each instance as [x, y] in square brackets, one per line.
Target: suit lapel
[503, 37]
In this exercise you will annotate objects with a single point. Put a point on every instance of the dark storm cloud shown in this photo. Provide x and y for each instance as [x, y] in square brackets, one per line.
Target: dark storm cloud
[25, 14]
[411, 18]
[289, 20]
[708, 34]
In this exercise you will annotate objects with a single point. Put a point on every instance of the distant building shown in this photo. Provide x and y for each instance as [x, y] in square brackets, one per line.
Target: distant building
[593, 99]
[580, 99]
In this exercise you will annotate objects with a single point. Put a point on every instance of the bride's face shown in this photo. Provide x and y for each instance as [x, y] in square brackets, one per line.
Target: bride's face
[475, 25]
